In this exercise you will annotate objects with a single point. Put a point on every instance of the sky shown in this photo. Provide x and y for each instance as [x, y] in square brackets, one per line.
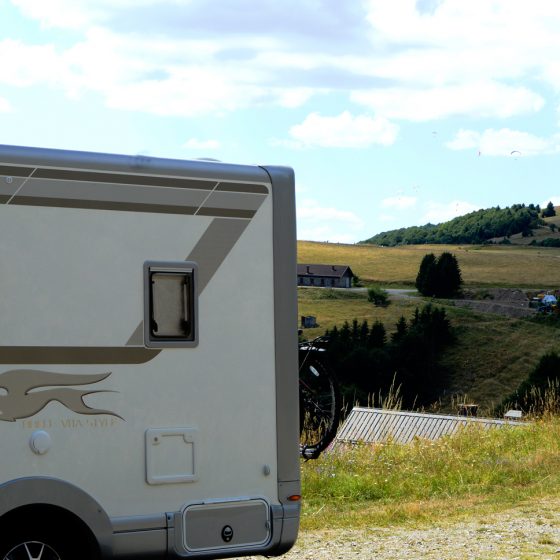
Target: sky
[391, 113]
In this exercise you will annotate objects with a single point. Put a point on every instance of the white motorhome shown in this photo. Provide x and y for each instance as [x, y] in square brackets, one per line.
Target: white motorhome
[148, 357]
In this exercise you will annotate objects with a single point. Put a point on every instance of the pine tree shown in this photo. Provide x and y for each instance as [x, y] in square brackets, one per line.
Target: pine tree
[425, 280]
[448, 275]
[402, 329]
[440, 277]
[549, 211]
[377, 335]
[364, 334]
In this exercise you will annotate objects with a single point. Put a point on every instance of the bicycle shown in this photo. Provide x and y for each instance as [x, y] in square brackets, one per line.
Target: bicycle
[320, 399]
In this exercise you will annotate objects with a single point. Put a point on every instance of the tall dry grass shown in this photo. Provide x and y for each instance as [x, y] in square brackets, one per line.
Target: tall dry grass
[493, 265]
[394, 483]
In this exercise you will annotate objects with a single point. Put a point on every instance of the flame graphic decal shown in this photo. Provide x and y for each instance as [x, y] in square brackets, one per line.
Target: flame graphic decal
[21, 401]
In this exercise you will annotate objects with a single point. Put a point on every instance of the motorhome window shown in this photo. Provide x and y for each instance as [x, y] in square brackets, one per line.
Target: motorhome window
[170, 304]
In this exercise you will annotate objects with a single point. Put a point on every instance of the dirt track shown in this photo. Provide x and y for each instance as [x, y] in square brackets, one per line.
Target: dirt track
[500, 301]
[527, 532]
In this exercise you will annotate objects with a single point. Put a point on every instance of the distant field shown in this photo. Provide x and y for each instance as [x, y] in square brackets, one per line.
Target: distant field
[493, 354]
[333, 307]
[486, 265]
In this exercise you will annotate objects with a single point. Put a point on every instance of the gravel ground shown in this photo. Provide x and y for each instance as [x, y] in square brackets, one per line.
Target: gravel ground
[500, 301]
[528, 532]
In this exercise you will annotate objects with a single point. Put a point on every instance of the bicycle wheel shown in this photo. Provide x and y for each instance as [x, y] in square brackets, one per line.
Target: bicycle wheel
[319, 406]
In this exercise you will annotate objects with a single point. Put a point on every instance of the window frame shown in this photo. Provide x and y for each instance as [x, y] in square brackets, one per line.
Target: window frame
[187, 268]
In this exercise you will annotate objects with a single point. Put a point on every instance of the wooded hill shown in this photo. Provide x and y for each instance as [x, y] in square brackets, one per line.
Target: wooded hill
[483, 226]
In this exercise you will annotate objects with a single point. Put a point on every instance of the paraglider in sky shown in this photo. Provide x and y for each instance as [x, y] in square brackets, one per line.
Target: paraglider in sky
[515, 153]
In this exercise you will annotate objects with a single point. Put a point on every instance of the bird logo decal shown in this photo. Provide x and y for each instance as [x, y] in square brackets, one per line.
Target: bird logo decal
[25, 392]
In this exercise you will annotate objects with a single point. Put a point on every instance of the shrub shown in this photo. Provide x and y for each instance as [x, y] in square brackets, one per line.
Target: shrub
[377, 296]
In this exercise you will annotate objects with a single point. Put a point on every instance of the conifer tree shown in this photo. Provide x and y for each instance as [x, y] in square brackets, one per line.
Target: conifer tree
[377, 335]
[425, 280]
[549, 211]
[448, 275]
[439, 277]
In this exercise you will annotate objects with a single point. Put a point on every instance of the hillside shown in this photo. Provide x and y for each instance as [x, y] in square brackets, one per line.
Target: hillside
[493, 353]
[549, 230]
[481, 226]
[513, 266]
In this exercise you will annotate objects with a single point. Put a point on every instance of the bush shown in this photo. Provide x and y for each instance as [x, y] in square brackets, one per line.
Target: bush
[377, 296]
[548, 242]
[356, 281]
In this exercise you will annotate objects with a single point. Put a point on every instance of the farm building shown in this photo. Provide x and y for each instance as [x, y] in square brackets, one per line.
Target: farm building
[324, 275]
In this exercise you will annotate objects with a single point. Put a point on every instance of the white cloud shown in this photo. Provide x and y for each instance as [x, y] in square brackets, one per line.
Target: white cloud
[5, 105]
[295, 97]
[59, 13]
[499, 38]
[302, 20]
[138, 74]
[152, 74]
[72, 14]
[465, 140]
[24, 65]
[320, 223]
[402, 59]
[399, 202]
[196, 144]
[343, 131]
[438, 212]
[504, 142]
[311, 210]
[487, 99]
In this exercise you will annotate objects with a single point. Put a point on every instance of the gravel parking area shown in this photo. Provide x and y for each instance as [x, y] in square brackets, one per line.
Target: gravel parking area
[527, 532]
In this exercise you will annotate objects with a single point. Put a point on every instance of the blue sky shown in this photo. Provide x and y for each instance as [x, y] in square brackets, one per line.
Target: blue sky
[392, 113]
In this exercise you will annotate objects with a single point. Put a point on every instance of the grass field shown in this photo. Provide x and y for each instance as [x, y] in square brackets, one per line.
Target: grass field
[475, 471]
[492, 355]
[333, 307]
[490, 358]
[395, 484]
[484, 265]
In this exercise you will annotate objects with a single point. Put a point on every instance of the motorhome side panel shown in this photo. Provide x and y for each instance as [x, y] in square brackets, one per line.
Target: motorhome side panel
[146, 350]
